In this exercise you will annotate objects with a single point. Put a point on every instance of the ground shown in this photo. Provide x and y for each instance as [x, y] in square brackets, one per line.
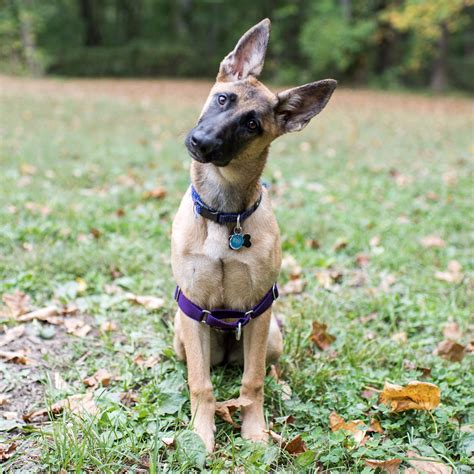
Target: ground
[374, 202]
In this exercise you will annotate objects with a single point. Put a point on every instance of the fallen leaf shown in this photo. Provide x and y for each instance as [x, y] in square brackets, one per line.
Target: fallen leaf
[82, 403]
[320, 336]
[3, 400]
[10, 415]
[362, 259]
[77, 327]
[108, 326]
[389, 465]
[295, 286]
[59, 383]
[147, 363]
[450, 350]
[285, 390]
[433, 241]
[430, 466]
[452, 331]
[129, 398]
[18, 303]
[7, 451]
[452, 274]
[168, 442]
[291, 266]
[327, 278]
[356, 427]
[295, 446]
[414, 396]
[17, 357]
[340, 244]
[12, 334]
[151, 303]
[226, 409]
[375, 426]
[155, 193]
[50, 315]
[101, 377]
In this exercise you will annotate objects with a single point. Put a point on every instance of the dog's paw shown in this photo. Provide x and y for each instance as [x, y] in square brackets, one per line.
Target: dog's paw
[254, 432]
[207, 437]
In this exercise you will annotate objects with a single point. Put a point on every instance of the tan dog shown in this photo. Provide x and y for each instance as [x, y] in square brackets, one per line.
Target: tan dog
[229, 147]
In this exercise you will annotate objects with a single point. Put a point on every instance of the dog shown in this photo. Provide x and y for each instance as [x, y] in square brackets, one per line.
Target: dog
[226, 251]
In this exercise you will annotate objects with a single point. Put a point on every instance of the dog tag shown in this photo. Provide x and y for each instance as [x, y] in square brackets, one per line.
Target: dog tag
[237, 240]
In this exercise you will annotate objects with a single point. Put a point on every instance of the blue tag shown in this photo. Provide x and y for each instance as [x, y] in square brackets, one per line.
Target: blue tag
[236, 241]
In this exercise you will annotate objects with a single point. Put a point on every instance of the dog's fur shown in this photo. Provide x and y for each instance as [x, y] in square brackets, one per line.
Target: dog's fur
[229, 156]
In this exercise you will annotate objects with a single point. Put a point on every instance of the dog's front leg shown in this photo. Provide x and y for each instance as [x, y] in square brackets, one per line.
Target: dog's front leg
[255, 348]
[197, 345]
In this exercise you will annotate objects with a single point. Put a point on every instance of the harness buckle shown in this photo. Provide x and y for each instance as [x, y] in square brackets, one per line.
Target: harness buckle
[177, 293]
[275, 291]
[204, 315]
[249, 314]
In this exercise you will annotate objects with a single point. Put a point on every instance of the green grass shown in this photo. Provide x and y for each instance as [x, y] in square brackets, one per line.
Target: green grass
[98, 152]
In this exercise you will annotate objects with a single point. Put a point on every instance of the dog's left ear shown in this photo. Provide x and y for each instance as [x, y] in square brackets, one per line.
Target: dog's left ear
[296, 107]
[248, 56]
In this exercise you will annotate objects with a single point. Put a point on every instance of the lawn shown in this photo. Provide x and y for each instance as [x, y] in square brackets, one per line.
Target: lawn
[374, 202]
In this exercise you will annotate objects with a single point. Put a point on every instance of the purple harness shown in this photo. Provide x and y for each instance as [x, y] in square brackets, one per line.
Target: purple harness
[215, 317]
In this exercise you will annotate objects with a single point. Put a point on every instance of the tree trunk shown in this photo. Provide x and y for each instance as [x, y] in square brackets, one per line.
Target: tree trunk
[93, 36]
[439, 71]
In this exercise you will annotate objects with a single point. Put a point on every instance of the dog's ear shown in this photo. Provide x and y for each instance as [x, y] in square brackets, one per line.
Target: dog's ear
[248, 56]
[296, 107]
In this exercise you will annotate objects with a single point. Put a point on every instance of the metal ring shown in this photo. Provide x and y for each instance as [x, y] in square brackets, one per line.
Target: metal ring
[205, 313]
[238, 331]
[249, 313]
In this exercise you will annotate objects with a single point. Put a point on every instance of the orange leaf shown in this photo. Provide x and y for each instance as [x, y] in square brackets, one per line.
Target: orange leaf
[17, 357]
[101, 377]
[356, 427]
[431, 466]
[450, 350]
[414, 396]
[389, 465]
[225, 409]
[295, 446]
[156, 193]
[320, 336]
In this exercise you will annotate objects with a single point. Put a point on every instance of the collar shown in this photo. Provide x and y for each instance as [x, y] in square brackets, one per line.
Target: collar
[201, 208]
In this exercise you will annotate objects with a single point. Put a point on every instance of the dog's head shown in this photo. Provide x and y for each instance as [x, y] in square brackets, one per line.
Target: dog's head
[241, 117]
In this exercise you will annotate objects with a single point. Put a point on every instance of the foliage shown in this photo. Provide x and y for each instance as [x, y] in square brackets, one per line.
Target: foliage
[383, 41]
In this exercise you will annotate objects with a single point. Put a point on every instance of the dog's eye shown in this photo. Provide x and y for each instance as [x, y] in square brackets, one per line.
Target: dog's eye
[222, 99]
[252, 125]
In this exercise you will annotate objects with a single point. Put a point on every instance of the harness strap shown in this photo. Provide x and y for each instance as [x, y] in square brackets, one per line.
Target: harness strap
[214, 317]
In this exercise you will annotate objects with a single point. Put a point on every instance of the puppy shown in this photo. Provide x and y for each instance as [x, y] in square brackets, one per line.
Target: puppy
[225, 239]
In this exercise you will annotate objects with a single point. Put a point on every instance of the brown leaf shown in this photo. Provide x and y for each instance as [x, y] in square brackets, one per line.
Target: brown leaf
[320, 336]
[452, 331]
[17, 357]
[362, 259]
[226, 409]
[151, 303]
[431, 466]
[108, 326]
[3, 400]
[7, 451]
[295, 446]
[82, 403]
[12, 334]
[356, 427]
[156, 193]
[389, 466]
[147, 363]
[452, 274]
[101, 377]
[450, 350]
[129, 398]
[313, 244]
[414, 396]
[50, 315]
[433, 241]
[18, 303]
[293, 287]
[340, 244]
[168, 442]
[77, 326]
[375, 426]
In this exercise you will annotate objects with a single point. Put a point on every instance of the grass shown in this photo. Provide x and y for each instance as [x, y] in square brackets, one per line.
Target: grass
[377, 171]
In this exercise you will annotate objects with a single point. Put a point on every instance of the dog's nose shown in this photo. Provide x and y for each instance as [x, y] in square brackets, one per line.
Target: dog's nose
[202, 141]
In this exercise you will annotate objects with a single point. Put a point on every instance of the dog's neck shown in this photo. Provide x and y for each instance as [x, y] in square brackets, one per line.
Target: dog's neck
[231, 188]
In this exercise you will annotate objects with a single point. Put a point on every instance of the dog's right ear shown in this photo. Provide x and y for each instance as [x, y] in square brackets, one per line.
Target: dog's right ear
[248, 56]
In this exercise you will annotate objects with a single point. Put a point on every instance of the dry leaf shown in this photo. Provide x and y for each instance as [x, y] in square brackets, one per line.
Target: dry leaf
[10, 415]
[17, 357]
[452, 331]
[12, 334]
[414, 396]
[320, 336]
[293, 287]
[433, 241]
[290, 265]
[340, 244]
[389, 466]
[18, 303]
[452, 274]
[147, 363]
[151, 303]
[356, 427]
[313, 244]
[450, 350]
[168, 442]
[59, 383]
[50, 314]
[101, 377]
[295, 446]
[129, 398]
[77, 327]
[79, 404]
[156, 193]
[7, 451]
[375, 426]
[108, 326]
[3, 400]
[430, 466]
[225, 409]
